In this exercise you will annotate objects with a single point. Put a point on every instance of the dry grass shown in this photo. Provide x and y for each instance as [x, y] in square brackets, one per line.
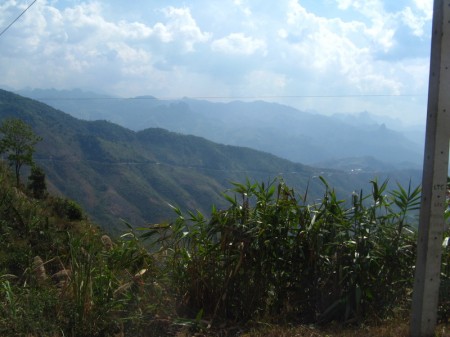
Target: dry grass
[386, 329]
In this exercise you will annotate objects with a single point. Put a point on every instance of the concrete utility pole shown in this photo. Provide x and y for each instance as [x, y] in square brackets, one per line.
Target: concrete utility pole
[434, 180]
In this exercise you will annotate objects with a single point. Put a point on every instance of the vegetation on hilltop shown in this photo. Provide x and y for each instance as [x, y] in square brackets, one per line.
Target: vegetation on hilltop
[18, 141]
[268, 257]
[286, 132]
[271, 256]
[61, 276]
[116, 173]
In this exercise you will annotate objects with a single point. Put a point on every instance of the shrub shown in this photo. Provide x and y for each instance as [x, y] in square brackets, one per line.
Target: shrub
[66, 208]
[58, 280]
[36, 182]
[92, 289]
[272, 255]
[27, 311]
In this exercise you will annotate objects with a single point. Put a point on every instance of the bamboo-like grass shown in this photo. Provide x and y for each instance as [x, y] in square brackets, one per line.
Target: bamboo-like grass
[272, 256]
[324, 268]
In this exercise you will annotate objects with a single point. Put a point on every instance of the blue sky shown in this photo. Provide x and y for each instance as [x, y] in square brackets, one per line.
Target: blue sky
[302, 53]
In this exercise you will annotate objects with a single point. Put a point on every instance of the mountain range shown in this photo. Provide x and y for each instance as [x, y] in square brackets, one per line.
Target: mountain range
[116, 173]
[286, 132]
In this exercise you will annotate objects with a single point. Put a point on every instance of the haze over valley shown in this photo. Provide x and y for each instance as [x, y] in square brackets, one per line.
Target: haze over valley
[299, 136]
[223, 168]
[118, 173]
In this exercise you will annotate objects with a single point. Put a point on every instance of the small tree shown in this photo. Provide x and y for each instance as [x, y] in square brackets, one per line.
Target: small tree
[17, 140]
[36, 182]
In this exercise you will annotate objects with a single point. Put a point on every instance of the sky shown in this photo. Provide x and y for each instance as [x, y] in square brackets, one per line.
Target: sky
[326, 56]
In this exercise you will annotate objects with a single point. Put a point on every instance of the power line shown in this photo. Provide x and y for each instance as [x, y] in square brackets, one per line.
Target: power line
[313, 172]
[14, 21]
[224, 97]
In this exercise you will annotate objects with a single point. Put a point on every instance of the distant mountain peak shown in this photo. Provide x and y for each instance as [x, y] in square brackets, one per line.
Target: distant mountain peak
[118, 173]
[279, 129]
[53, 93]
[145, 97]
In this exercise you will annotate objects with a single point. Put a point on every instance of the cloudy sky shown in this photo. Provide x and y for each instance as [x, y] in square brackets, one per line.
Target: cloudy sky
[327, 56]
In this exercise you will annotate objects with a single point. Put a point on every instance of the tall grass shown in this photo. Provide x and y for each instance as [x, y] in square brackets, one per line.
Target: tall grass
[59, 276]
[97, 291]
[272, 256]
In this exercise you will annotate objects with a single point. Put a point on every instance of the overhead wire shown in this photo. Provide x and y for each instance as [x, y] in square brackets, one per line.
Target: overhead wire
[14, 21]
[166, 98]
[205, 97]
[315, 171]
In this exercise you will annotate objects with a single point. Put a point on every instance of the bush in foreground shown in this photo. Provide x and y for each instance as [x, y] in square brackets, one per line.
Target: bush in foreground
[61, 276]
[270, 255]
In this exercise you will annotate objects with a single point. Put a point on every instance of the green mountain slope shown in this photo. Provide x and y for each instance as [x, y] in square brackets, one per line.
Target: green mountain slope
[117, 173]
[286, 132]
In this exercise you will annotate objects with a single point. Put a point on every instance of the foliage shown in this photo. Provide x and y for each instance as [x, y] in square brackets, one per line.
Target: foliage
[18, 142]
[36, 182]
[60, 280]
[116, 173]
[67, 208]
[444, 294]
[269, 255]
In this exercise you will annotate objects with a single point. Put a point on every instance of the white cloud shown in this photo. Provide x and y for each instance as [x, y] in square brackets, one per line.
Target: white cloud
[412, 21]
[325, 44]
[346, 54]
[384, 24]
[181, 25]
[297, 14]
[128, 54]
[239, 43]
[265, 83]
[245, 9]
[416, 20]
[163, 33]
[282, 33]
[78, 40]
[344, 4]
[201, 48]
[426, 6]
[381, 25]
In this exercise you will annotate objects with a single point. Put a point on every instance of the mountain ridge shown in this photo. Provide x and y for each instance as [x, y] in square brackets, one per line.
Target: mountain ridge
[116, 173]
[279, 129]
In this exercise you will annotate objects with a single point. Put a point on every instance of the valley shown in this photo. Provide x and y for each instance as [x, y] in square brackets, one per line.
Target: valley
[298, 136]
[118, 174]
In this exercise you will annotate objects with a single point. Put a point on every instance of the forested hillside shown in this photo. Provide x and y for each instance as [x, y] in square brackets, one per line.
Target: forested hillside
[288, 133]
[269, 252]
[60, 275]
[118, 173]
